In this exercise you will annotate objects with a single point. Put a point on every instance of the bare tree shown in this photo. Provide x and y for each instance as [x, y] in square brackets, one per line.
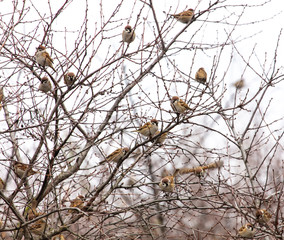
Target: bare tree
[81, 156]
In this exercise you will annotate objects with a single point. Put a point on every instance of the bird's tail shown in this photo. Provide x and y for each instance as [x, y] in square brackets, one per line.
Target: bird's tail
[200, 169]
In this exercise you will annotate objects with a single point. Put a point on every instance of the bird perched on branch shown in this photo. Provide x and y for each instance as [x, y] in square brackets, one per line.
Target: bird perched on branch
[20, 169]
[3, 234]
[262, 216]
[199, 171]
[239, 84]
[116, 155]
[167, 184]
[69, 79]
[247, 231]
[43, 58]
[128, 34]
[178, 105]
[185, 16]
[161, 139]
[45, 85]
[148, 129]
[201, 76]
[38, 227]
[78, 202]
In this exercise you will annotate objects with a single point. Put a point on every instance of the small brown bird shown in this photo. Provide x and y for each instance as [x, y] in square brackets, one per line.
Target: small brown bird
[199, 171]
[78, 202]
[58, 237]
[167, 184]
[201, 76]
[69, 79]
[239, 84]
[45, 85]
[161, 139]
[185, 16]
[43, 58]
[38, 227]
[117, 154]
[178, 105]
[149, 128]
[21, 168]
[128, 34]
[2, 184]
[3, 234]
[247, 231]
[263, 216]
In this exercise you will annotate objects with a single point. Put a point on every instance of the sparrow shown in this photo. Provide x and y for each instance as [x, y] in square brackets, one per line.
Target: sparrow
[58, 237]
[43, 58]
[128, 34]
[38, 227]
[201, 76]
[185, 16]
[1, 96]
[167, 184]
[161, 139]
[263, 216]
[117, 154]
[247, 231]
[78, 202]
[199, 171]
[149, 128]
[239, 84]
[2, 184]
[178, 105]
[69, 79]
[3, 234]
[21, 168]
[45, 85]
